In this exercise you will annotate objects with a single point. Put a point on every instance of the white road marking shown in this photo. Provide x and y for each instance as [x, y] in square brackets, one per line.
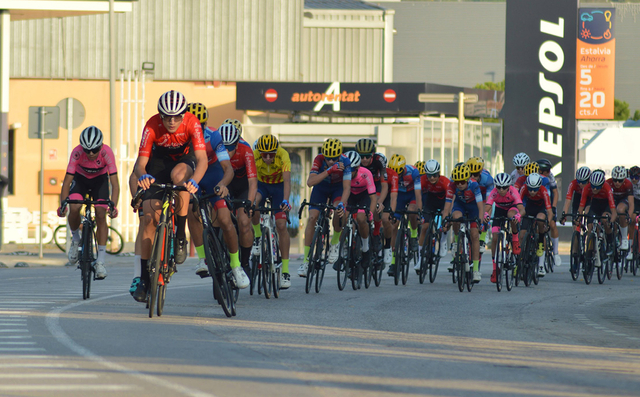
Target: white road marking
[65, 387]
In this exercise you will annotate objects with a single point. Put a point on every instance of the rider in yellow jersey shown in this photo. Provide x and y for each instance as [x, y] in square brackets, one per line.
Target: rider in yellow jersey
[274, 181]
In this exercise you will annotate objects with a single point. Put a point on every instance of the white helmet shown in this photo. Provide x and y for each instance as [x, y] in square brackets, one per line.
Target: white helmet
[618, 172]
[91, 138]
[534, 181]
[432, 167]
[597, 178]
[383, 159]
[229, 133]
[521, 159]
[502, 180]
[582, 175]
[255, 144]
[172, 103]
[354, 158]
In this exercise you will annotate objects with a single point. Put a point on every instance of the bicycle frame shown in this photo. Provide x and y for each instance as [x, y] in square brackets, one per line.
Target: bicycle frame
[318, 254]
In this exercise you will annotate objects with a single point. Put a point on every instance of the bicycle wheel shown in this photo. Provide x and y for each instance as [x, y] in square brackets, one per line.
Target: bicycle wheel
[254, 272]
[461, 262]
[162, 293]
[85, 263]
[323, 256]
[434, 260]
[115, 242]
[267, 263]
[575, 255]
[221, 291]
[425, 258]
[508, 271]
[276, 267]
[155, 262]
[635, 263]
[469, 280]
[549, 261]
[407, 259]
[378, 267]
[356, 260]
[499, 260]
[602, 270]
[60, 237]
[527, 263]
[589, 258]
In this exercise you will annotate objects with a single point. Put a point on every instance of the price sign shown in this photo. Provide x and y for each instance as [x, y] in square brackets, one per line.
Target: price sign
[595, 66]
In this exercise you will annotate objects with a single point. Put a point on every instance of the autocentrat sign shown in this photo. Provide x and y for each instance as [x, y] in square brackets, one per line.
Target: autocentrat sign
[539, 116]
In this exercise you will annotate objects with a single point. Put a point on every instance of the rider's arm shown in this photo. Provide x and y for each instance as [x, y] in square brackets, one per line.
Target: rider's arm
[141, 166]
[567, 203]
[286, 184]
[346, 190]
[555, 197]
[447, 209]
[384, 190]
[631, 205]
[66, 186]
[115, 189]
[202, 163]
[393, 202]
[314, 178]
[373, 198]
[228, 176]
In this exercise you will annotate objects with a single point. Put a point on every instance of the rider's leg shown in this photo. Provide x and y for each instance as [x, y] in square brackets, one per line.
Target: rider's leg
[245, 231]
[101, 232]
[284, 240]
[308, 231]
[150, 218]
[255, 224]
[624, 224]
[179, 175]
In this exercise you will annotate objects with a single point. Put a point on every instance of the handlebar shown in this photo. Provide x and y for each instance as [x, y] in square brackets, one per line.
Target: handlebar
[88, 202]
[322, 205]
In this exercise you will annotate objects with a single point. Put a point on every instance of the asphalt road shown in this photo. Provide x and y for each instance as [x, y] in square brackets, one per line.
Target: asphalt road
[560, 338]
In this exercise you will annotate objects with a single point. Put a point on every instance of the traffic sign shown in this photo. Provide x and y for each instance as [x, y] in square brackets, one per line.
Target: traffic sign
[51, 122]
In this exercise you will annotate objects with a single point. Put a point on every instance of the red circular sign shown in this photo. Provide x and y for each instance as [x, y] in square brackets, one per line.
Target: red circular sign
[271, 95]
[389, 95]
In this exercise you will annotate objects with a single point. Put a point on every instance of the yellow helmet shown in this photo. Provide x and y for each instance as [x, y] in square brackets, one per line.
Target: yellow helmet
[235, 123]
[531, 168]
[198, 110]
[475, 164]
[332, 147]
[397, 163]
[461, 173]
[267, 143]
[420, 167]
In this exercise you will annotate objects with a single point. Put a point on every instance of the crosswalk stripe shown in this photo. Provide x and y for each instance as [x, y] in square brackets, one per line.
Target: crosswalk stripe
[21, 349]
[65, 387]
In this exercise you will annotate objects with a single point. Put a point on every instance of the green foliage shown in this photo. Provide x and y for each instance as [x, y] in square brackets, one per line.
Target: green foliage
[490, 85]
[620, 110]
[636, 115]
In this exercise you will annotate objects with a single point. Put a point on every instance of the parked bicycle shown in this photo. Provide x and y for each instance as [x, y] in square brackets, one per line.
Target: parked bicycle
[115, 242]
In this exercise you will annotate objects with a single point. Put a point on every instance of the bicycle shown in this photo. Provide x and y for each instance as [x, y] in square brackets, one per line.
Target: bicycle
[528, 259]
[403, 249]
[618, 256]
[267, 267]
[633, 263]
[505, 258]
[576, 258]
[462, 263]
[115, 242]
[319, 251]
[88, 249]
[595, 250]
[350, 249]
[430, 255]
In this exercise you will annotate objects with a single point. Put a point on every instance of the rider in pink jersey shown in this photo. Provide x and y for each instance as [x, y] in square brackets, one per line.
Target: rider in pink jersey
[91, 168]
[508, 203]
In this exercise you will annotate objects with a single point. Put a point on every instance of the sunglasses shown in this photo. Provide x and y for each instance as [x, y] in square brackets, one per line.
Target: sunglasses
[366, 156]
[519, 168]
[502, 187]
[230, 148]
[433, 175]
[618, 180]
[531, 190]
[93, 151]
[635, 177]
[173, 118]
[461, 182]
[332, 158]
[596, 187]
[268, 155]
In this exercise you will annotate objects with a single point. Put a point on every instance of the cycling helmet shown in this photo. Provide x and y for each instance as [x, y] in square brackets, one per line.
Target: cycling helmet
[235, 123]
[432, 167]
[332, 147]
[476, 164]
[582, 175]
[635, 170]
[91, 138]
[618, 172]
[420, 167]
[255, 144]
[229, 134]
[521, 159]
[267, 143]
[397, 163]
[198, 110]
[172, 103]
[365, 146]
[383, 159]
[461, 173]
[534, 181]
[531, 168]
[354, 158]
[597, 179]
[502, 180]
[544, 164]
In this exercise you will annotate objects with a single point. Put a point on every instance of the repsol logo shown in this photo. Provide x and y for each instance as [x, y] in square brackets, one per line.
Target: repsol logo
[551, 56]
[332, 96]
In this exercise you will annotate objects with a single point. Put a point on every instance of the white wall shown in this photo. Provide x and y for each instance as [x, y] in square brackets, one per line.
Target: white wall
[611, 147]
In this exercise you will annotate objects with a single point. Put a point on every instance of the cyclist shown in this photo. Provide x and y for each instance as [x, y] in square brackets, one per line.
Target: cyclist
[545, 170]
[330, 179]
[273, 167]
[574, 193]
[373, 161]
[634, 176]
[137, 207]
[92, 167]
[434, 193]
[531, 168]
[363, 193]
[537, 203]
[624, 200]
[243, 187]
[172, 150]
[485, 181]
[520, 160]
[409, 194]
[508, 204]
[388, 200]
[465, 199]
[602, 204]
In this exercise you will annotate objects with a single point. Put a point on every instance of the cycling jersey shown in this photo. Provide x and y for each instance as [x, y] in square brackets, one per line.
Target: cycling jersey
[523, 179]
[393, 181]
[514, 175]
[214, 147]
[434, 191]
[636, 190]
[623, 192]
[80, 164]
[320, 165]
[604, 195]
[272, 173]
[243, 163]
[485, 182]
[574, 190]
[410, 180]
[363, 182]
[157, 140]
[470, 194]
[377, 170]
[506, 202]
[540, 199]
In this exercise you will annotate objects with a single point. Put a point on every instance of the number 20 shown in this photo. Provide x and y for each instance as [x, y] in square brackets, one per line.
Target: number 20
[597, 102]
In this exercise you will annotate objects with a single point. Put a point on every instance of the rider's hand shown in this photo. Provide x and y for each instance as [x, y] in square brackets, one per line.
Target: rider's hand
[379, 208]
[562, 220]
[334, 169]
[192, 186]
[340, 209]
[145, 181]
[113, 213]
[62, 212]
[222, 191]
[487, 216]
[285, 206]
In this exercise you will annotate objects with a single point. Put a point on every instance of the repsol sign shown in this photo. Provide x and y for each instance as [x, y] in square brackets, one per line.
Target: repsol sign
[540, 82]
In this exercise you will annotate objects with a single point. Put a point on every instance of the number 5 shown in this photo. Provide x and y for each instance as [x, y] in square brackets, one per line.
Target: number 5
[585, 76]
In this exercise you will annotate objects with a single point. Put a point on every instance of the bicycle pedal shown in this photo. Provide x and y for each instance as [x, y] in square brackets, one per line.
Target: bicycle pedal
[203, 274]
[160, 279]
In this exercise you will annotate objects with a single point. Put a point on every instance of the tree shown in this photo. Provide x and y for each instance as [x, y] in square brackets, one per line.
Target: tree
[490, 85]
[621, 110]
[636, 115]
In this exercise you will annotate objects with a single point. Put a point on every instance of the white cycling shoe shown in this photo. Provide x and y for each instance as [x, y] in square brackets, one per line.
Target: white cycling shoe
[101, 272]
[73, 252]
[241, 278]
[302, 270]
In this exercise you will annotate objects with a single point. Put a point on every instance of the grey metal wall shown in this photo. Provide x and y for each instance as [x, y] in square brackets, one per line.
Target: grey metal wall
[343, 45]
[201, 40]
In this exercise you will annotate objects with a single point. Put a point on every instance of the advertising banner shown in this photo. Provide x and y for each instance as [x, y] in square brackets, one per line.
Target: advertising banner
[539, 111]
[595, 64]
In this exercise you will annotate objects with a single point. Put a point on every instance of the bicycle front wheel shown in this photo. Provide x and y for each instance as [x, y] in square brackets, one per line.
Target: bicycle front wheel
[434, 256]
[461, 262]
[575, 255]
[589, 258]
[155, 262]
[85, 262]
[221, 291]
[344, 258]
[356, 260]
[499, 261]
[267, 263]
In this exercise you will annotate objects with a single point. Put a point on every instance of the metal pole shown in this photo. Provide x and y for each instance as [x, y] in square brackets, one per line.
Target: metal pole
[112, 79]
[460, 126]
[42, 114]
[443, 147]
[69, 150]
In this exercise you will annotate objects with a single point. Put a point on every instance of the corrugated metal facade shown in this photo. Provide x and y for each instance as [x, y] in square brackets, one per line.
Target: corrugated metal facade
[197, 40]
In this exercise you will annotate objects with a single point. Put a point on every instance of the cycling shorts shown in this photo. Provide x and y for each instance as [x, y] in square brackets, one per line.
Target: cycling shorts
[160, 169]
[404, 198]
[239, 188]
[275, 192]
[621, 200]
[325, 191]
[468, 210]
[96, 188]
[362, 199]
[598, 208]
[431, 203]
[498, 213]
[532, 210]
[210, 180]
